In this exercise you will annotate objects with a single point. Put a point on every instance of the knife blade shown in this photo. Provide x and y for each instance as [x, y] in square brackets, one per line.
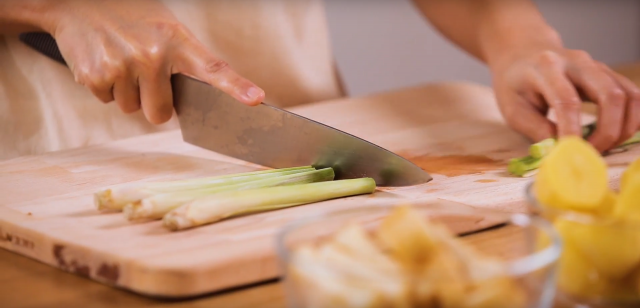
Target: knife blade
[267, 135]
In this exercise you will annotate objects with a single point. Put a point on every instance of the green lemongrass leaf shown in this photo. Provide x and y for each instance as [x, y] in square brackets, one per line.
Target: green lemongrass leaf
[231, 203]
[523, 165]
[115, 198]
[156, 206]
[542, 148]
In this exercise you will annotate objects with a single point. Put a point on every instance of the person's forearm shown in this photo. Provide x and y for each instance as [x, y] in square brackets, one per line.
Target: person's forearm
[26, 15]
[490, 29]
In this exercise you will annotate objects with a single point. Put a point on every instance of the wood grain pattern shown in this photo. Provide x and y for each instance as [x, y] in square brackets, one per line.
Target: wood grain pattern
[46, 210]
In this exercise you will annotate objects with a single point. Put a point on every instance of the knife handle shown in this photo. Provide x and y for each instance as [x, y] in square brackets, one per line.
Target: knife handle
[43, 43]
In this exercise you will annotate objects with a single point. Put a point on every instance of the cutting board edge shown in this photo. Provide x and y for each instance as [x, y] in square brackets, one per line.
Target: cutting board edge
[106, 268]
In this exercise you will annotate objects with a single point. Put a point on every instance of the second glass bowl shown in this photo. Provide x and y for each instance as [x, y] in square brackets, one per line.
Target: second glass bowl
[527, 246]
[600, 261]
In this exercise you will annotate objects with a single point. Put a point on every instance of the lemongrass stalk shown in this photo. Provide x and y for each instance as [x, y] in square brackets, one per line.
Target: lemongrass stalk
[523, 165]
[156, 206]
[115, 198]
[634, 139]
[542, 148]
[587, 130]
[223, 205]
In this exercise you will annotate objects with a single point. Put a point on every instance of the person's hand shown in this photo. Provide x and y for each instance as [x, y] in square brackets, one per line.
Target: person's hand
[529, 83]
[127, 51]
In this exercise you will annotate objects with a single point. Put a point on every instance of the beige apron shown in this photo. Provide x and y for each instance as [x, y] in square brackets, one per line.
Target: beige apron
[281, 45]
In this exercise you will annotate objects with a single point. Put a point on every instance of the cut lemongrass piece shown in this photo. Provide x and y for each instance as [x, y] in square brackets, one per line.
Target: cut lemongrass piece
[634, 139]
[523, 165]
[156, 206]
[233, 203]
[115, 198]
[542, 148]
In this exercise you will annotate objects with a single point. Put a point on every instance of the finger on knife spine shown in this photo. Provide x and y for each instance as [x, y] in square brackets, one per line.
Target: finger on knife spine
[198, 63]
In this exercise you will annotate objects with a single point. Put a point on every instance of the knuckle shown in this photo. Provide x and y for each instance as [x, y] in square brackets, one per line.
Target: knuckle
[568, 105]
[171, 30]
[147, 56]
[140, 54]
[215, 66]
[634, 96]
[548, 58]
[615, 97]
[581, 56]
[112, 73]
[81, 76]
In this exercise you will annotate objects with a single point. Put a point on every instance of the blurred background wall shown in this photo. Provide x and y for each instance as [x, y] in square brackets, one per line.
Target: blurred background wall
[386, 44]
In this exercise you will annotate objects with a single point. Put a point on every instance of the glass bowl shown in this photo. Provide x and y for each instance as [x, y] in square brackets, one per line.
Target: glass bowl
[600, 261]
[527, 247]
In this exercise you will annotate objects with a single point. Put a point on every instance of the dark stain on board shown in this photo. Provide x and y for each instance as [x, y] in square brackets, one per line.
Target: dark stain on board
[111, 273]
[79, 269]
[57, 254]
[108, 272]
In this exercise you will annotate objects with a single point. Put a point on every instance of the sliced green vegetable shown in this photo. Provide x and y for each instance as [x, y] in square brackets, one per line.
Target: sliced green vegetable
[542, 148]
[587, 130]
[156, 206]
[634, 139]
[523, 165]
[115, 198]
[233, 203]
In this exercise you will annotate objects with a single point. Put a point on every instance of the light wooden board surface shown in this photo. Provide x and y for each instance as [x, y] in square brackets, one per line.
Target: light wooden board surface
[454, 131]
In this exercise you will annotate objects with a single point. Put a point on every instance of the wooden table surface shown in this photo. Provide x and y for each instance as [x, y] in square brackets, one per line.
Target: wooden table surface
[28, 283]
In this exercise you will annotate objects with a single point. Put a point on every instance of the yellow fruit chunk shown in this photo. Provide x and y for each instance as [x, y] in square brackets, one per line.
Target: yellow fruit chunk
[576, 277]
[612, 249]
[628, 205]
[442, 281]
[354, 240]
[633, 171]
[608, 204]
[406, 235]
[573, 176]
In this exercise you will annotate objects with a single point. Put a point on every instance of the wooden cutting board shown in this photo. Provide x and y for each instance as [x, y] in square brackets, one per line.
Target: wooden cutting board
[454, 131]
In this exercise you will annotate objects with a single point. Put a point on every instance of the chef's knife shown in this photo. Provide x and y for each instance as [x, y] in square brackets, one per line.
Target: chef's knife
[266, 135]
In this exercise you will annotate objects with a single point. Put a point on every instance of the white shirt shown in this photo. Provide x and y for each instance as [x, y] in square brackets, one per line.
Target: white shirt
[281, 45]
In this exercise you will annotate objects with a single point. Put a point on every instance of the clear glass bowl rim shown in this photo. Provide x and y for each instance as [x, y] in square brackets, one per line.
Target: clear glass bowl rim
[518, 267]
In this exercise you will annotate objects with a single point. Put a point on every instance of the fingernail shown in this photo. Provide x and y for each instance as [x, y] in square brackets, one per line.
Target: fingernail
[254, 93]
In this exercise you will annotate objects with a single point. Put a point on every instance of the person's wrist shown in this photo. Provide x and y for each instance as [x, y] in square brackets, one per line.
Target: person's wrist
[502, 48]
[32, 15]
[51, 13]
